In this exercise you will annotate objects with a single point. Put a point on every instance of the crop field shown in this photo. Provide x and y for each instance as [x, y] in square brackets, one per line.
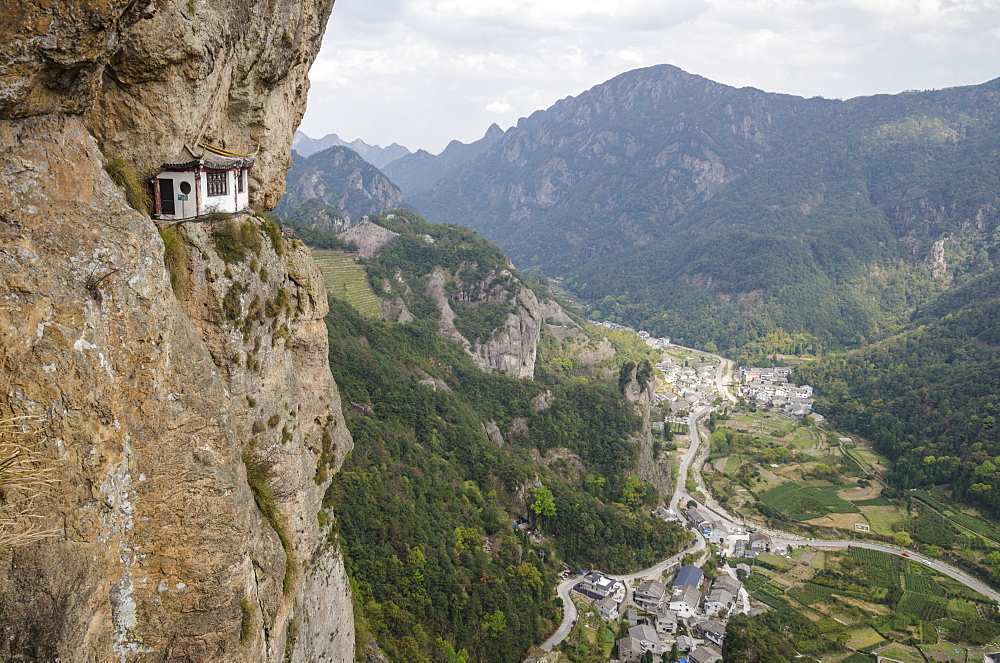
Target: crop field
[918, 582]
[882, 518]
[811, 593]
[925, 607]
[874, 501]
[346, 280]
[978, 525]
[866, 610]
[863, 638]
[898, 652]
[881, 568]
[806, 502]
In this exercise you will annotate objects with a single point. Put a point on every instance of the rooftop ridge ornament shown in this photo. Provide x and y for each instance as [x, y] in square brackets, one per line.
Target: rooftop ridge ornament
[225, 153]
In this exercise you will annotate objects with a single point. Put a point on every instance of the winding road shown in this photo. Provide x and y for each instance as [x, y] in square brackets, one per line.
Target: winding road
[564, 589]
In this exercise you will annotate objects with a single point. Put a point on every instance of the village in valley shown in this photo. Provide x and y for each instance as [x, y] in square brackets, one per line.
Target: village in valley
[769, 439]
[680, 613]
[684, 617]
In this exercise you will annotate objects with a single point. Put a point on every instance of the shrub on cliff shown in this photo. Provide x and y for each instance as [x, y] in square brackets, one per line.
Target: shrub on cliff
[235, 241]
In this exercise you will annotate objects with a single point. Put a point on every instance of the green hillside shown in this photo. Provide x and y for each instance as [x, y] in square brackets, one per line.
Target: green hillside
[929, 399]
[426, 503]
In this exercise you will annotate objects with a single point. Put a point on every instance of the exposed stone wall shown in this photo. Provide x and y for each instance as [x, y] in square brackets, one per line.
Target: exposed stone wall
[147, 406]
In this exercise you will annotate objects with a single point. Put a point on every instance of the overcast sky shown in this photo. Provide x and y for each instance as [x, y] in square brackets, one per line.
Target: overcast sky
[424, 72]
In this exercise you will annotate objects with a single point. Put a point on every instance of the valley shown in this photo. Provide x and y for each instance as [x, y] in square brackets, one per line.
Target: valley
[802, 580]
[382, 406]
[817, 497]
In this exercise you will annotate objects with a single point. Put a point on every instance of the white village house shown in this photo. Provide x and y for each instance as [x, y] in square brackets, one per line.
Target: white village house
[214, 181]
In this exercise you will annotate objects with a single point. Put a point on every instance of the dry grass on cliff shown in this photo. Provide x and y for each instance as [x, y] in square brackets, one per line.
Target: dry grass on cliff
[136, 191]
[25, 476]
[177, 261]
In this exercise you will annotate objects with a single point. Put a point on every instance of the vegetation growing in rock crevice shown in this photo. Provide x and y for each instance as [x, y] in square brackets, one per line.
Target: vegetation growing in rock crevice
[136, 191]
[247, 612]
[177, 260]
[235, 241]
[261, 478]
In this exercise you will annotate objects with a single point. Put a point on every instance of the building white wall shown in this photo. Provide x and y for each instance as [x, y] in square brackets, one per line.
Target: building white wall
[202, 203]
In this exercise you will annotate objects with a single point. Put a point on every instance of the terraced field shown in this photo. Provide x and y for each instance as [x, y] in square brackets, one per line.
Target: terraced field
[807, 502]
[346, 280]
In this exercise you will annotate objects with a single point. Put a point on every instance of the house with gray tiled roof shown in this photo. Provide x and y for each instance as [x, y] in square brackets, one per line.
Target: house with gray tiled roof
[649, 594]
[684, 601]
[704, 654]
[629, 650]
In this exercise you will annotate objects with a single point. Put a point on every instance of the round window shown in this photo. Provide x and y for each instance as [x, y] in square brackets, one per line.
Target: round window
[185, 187]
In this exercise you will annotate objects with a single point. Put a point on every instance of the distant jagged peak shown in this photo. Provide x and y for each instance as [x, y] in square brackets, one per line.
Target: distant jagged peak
[376, 155]
[420, 170]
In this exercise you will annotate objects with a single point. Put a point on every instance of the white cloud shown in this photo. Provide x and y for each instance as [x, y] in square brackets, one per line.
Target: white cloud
[499, 107]
[423, 72]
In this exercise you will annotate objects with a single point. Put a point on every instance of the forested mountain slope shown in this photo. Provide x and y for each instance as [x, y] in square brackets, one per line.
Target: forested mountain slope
[449, 450]
[929, 398]
[755, 220]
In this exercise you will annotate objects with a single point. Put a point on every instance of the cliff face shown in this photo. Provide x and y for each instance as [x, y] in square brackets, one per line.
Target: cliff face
[152, 78]
[512, 347]
[192, 433]
[653, 470]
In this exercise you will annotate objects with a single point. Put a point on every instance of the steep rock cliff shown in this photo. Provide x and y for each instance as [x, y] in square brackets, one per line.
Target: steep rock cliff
[152, 78]
[190, 435]
[511, 347]
[148, 413]
[638, 390]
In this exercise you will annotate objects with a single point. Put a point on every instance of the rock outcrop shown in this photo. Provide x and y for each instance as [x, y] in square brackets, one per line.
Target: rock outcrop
[513, 346]
[651, 469]
[369, 237]
[191, 433]
[152, 78]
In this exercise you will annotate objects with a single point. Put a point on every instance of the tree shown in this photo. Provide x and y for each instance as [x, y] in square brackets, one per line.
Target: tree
[493, 623]
[544, 504]
[634, 492]
[902, 539]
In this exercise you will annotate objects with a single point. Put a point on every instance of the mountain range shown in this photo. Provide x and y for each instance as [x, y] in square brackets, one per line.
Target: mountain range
[334, 186]
[760, 222]
[376, 155]
[417, 172]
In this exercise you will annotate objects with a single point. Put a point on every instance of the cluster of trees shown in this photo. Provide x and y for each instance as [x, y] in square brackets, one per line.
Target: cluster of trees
[768, 637]
[929, 399]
